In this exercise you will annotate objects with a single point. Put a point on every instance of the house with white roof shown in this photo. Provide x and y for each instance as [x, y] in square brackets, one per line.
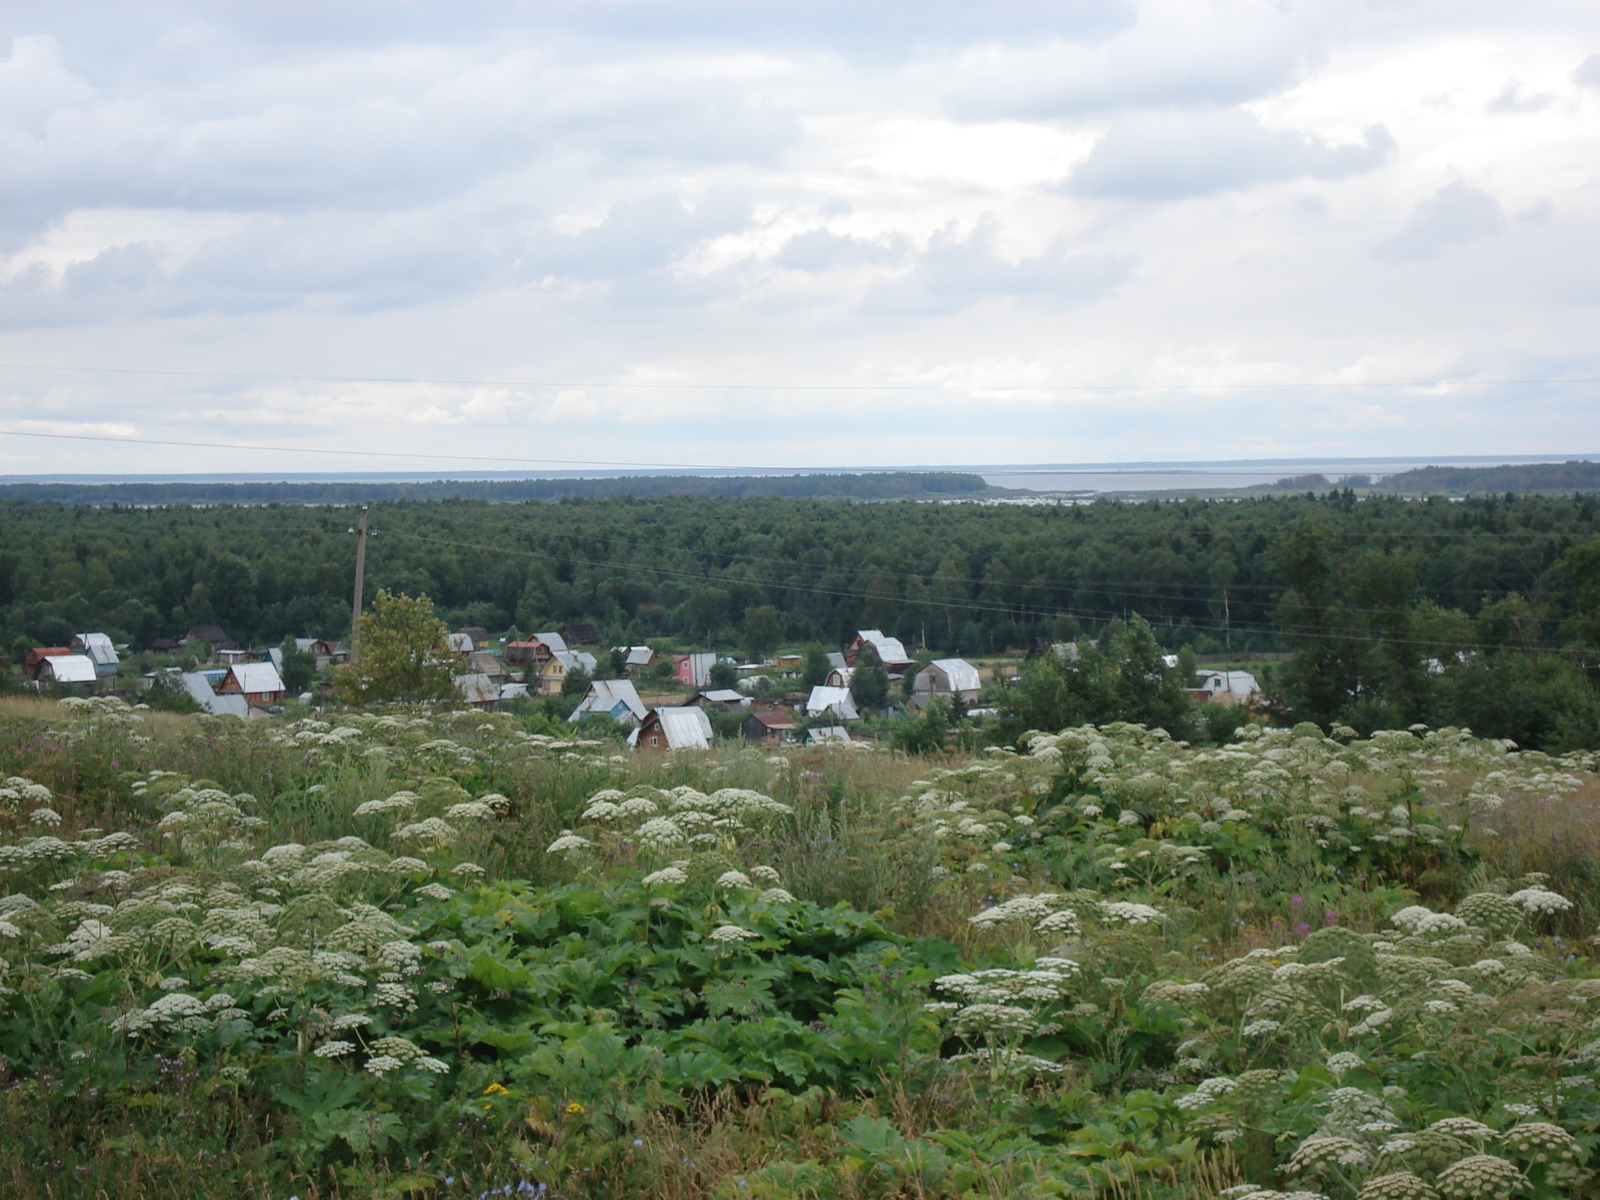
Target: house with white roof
[99, 648]
[890, 650]
[258, 682]
[69, 668]
[1225, 687]
[199, 687]
[614, 698]
[673, 729]
[954, 678]
[836, 701]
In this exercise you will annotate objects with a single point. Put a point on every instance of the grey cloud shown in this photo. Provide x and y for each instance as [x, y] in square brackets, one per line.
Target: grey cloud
[1173, 155]
[819, 250]
[1512, 99]
[1455, 215]
[1588, 72]
[638, 236]
[365, 132]
[953, 274]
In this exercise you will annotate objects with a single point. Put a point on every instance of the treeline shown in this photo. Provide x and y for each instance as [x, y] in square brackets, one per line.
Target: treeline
[1398, 610]
[1575, 476]
[881, 485]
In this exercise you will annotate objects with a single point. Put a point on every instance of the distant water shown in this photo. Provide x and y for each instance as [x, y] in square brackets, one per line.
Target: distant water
[1166, 477]
[1040, 477]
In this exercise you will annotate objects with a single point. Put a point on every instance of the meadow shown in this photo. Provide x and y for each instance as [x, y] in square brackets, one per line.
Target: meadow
[425, 953]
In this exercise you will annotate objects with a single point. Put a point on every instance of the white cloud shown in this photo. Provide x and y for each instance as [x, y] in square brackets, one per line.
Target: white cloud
[978, 198]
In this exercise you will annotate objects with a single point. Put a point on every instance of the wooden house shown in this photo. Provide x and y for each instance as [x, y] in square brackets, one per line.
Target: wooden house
[673, 729]
[770, 726]
[257, 682]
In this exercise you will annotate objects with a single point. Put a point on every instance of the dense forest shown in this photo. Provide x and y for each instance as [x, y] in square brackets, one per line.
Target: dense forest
[1393, 607]
[1518, 477]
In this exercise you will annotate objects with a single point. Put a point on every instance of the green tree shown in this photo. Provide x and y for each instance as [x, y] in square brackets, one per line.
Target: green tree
[762, 631]
[869, 684]
[403, 655]
[576, 682]
[721, 676]
[299, 668]
[817, 668]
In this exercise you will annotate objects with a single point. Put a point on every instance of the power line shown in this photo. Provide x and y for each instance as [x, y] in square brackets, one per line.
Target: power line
[930, 602]
[808, 387]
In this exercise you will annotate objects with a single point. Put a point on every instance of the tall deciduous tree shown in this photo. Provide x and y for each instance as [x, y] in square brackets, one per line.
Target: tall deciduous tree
[404, 655]
[869, 685]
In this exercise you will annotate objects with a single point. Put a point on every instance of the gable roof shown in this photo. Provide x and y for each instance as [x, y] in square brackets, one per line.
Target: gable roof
[98, 647]
[638, 656]
[459, 643]
[254, 677]
[607, 696]
[684, 728]
[890, 651]
[721, 696]
[551, 641]
[477, 689]
[199, 687]
[836, 700]
[829, 734]
[571, 660]
[774, 718]
[963, 676]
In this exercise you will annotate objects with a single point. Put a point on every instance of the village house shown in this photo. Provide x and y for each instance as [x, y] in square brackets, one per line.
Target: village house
[99, 648]
[693, 669]
[636, 658]
[834, 701]
[200, 690]
[458, 643]
[673, 729]
[257, 682]
[789, 664]
[34, 663]
[952, 678]
[235, 654]
[561, 663]
[1225, 687]
[477, 690]
[840, 677]
[770, 726]
[580, 635]
[725, 699]
[323, 650]
[828, 735]
[69, 668]
[486, 662]
[614, 698]
[479, 635]
[890, 651]
[206, 640]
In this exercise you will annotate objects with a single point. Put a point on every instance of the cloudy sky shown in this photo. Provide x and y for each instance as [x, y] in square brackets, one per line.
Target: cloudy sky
[819, 234]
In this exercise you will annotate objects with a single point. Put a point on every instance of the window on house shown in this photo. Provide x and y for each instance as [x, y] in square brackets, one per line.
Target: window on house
[655, 741]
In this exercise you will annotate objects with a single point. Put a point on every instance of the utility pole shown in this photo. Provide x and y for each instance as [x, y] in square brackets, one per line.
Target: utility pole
[355, 600]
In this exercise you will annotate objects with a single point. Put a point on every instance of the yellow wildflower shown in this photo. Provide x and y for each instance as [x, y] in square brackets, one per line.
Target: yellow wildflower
[574, 1108]
[495, 1089]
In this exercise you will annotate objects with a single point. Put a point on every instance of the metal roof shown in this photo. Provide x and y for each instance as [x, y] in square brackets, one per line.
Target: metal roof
[638, 656]
[830, 733]
[836, 660]
[836, 700]
[98, 647]
[552, 641]
[684, 729]
[727, 696]
[961, 675]
[890, 650]
[199, 687]
[607, 696]
[70, 668]
[460, 643]
[255, 677]
[574, 660]
[477, 689]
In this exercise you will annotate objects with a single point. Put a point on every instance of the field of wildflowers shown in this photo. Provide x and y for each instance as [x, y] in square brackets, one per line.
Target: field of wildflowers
[432, 954]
